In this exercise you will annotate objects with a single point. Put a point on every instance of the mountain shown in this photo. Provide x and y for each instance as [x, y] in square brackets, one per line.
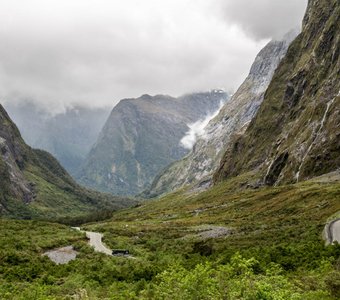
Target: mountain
[234, 117]
[34, 185]
[296, 132]
[69, 136]
[141, 137]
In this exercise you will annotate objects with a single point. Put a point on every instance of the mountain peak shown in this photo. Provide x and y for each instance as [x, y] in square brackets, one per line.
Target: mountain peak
[295, 134]
[141, 137]
[34, 184]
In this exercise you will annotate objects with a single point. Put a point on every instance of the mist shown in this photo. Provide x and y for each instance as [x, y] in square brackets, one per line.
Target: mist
[197, 130]
[60, 54]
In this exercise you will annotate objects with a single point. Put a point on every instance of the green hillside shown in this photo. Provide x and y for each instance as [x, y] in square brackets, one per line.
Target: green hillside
[34, 185]
[257, 234]
[271, 248]
[295, 134]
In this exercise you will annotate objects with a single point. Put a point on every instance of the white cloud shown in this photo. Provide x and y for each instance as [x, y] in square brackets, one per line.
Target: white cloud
[263, 19]
[197, 130]
[62, 53]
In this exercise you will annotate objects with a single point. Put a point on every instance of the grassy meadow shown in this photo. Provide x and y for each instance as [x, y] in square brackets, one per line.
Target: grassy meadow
[229, 242]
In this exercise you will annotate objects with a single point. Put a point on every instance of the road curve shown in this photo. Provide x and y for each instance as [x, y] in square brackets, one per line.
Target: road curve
[332, 231]
[95, 240]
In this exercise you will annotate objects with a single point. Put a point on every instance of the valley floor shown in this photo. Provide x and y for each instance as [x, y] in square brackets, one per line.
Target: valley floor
[226, 243]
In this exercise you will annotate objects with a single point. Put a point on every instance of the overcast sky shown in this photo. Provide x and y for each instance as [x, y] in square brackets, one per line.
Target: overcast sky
[96, 52]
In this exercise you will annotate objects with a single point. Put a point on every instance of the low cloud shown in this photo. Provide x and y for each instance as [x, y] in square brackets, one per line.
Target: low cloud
[87, 52]
[263, 19]
[197, 130]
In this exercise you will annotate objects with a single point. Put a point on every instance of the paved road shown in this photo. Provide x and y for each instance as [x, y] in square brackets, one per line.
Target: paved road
[333, 231]
[96, 242]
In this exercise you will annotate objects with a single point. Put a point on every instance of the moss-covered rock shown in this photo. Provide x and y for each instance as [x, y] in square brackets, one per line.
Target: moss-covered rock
[197, 167]
[299, 117]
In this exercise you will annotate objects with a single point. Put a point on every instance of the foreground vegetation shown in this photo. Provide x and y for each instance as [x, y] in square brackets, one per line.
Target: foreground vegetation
[220, 244]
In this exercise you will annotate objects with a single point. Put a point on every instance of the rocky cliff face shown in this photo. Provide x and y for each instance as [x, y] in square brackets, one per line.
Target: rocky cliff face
[141, 137]
[296, 132]
[233, 118]
[33, 184]
[69, 136]
[13, 158]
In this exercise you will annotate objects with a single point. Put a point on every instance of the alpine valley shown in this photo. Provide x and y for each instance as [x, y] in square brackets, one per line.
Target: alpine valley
[34, 185]
[141, 137]
[67, 135]
[198, 166]
[238, 196]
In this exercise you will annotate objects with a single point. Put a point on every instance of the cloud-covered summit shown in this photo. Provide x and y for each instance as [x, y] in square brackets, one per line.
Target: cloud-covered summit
[263, 19]
[63, 53]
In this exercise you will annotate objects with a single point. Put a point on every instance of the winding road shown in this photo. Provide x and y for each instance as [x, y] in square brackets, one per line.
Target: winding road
[95, 240]
[332, 231]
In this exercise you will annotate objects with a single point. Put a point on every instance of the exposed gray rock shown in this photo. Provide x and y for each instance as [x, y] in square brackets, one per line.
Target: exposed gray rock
[13, 155]
[141, 137]
[295, 135]
[233, 119]
[205, 232]
[62, 255]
